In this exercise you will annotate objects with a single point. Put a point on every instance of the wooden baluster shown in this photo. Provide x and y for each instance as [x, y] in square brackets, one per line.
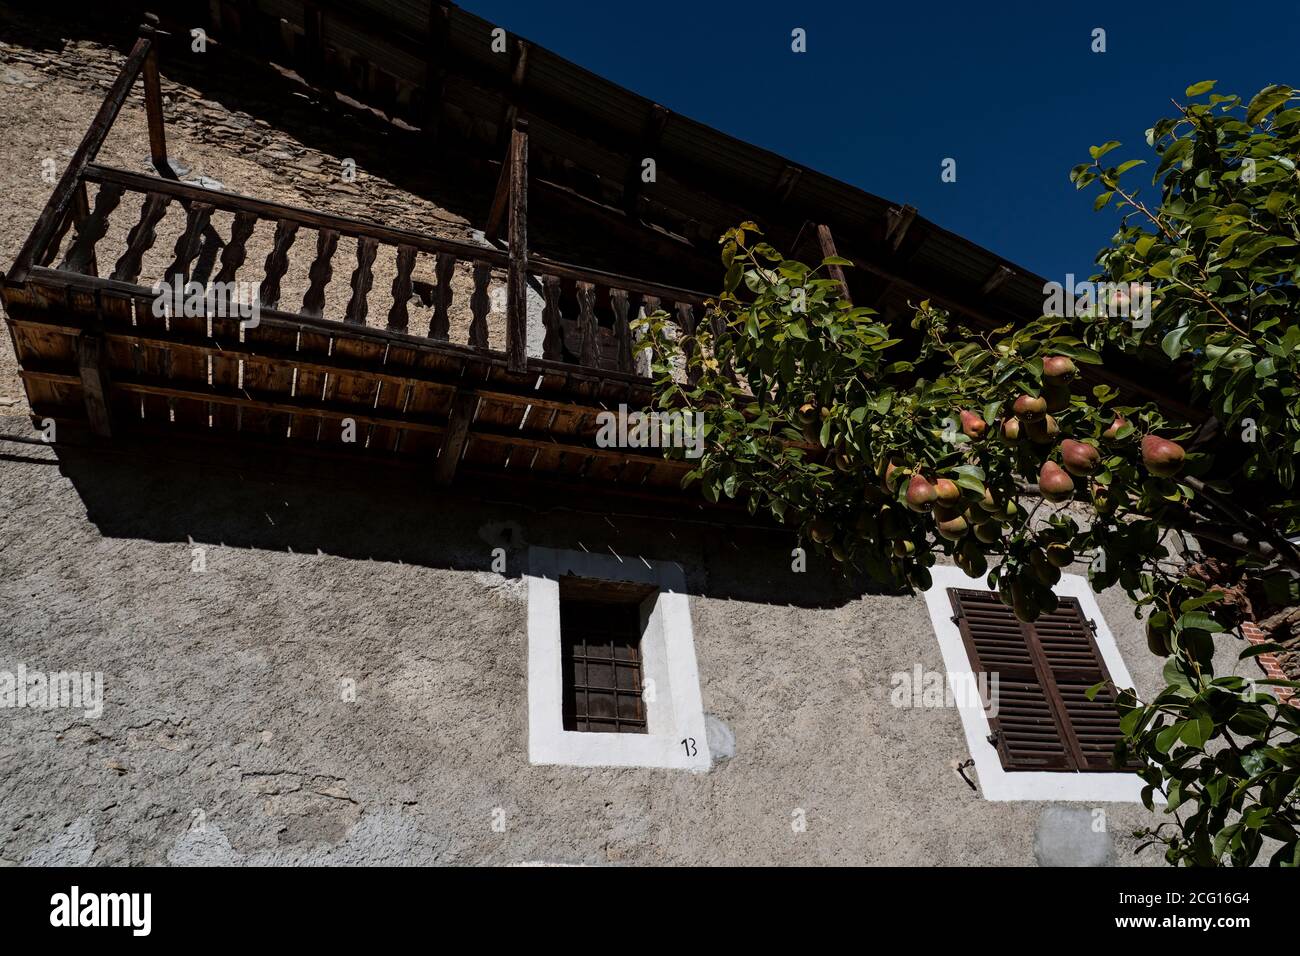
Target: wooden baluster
[720, 335]
[320, 273]
[225, 368]
[397, 317]
[440, 326]
[479, 305]
[362, 278]
[686, 322]
[649, 305]
[77, 213]
[81, 254]
[188, 369]
[622, 332]
[141, 238]
[187, 244]
[553, 344]
[277, 263]
[232, 257]
[588, 355]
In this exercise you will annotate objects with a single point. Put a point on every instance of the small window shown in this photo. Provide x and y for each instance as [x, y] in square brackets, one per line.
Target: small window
[600, 645]
[1044, 730]
[612, 675]
[1045, 720]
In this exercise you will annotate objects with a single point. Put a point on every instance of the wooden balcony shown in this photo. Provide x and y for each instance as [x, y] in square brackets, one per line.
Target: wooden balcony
[422, 372]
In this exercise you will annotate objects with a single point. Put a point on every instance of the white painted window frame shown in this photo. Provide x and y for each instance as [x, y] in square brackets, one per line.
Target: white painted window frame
[674, 711]
[995, 782]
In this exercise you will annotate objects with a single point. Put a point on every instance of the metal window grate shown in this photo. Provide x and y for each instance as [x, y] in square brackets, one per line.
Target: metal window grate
[601, 652]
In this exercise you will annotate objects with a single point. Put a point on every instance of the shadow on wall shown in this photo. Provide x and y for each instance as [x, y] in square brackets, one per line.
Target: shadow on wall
[289, 502]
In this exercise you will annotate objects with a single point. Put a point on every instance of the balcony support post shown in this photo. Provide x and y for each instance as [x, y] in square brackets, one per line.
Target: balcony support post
[517, 276]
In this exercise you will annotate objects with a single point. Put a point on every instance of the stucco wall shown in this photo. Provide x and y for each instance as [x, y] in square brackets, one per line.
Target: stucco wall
[225, 737]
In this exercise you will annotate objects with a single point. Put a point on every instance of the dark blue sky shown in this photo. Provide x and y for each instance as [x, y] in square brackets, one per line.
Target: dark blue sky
[886, 91]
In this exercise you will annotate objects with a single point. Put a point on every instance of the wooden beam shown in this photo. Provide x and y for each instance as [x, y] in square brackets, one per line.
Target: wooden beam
[651, 135]
[900, 220]
[435, 66]
[786, 182]
[463, 407]
[153, 102]
[1001, 275]
[500, 200]
[94, 384]
[827, 242]
[517, 274]
[518, 73]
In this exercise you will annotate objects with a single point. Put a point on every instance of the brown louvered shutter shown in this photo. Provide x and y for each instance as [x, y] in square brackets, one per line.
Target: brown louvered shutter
[1044, 719]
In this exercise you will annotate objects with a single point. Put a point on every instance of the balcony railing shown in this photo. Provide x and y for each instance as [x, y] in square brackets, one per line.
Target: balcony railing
[424, 364]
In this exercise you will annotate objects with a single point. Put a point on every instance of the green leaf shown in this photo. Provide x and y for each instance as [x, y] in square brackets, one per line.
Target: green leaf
[1098, 152]
[1268, 647]
[1196, 89]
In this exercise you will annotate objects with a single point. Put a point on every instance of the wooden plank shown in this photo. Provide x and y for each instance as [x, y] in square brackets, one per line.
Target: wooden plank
[453, 443]
[188, 369]
[479, 304]
[226, 330]
[94, 388]
[81, 254]
[397, 315]
[262, 378]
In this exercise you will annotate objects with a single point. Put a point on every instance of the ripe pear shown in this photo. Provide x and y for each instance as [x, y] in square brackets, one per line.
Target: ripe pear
[904, 548]
[1029, 408]
[989, 532]
[987, 502]
[892, 475]
[1044, 430]
[948, 492]
[954, 529]
[1079, 459]
[972, 426]
[921, 494]
[1060, 555]
[1046, 572]
[807, 413]
[1058, 368]
[1113, 429]
[1162, 457]
[1011, 430]
[1054, 483]
[821, 530]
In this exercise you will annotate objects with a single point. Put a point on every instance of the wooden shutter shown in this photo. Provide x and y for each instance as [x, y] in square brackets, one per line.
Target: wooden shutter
[1044, 719]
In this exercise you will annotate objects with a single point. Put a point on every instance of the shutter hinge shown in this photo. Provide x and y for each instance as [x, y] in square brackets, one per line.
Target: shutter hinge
[956, 619]
[993, 738]
[1092, 624]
